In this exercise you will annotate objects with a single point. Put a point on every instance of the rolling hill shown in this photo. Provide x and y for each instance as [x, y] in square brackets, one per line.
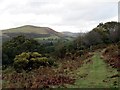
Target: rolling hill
[70, 34]
[30, 32]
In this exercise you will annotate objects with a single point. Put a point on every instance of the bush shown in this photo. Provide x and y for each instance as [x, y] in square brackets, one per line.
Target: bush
[31, 60]
[16, 46]
[119, 48]
[60, 51]
[51, 61]
[118, 45]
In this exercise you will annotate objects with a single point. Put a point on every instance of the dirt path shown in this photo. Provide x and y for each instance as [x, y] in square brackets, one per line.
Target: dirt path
[95, 74]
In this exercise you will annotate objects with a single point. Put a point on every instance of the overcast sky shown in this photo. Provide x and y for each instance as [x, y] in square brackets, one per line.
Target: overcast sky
[60, 15]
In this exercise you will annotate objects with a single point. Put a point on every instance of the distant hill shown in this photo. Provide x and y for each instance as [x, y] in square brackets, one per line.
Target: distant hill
[66, 33]
[30, 32]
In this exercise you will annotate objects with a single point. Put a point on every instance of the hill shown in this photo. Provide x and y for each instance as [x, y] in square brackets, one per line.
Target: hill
[30, 32]
[66, 33]
[88, 61]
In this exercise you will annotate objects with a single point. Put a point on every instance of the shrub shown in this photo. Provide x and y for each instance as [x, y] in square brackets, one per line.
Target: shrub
[51, 61]
[16, 46]
[119, 48]
[20, 63]
[60, 51]
[118, 45]
[31, 60]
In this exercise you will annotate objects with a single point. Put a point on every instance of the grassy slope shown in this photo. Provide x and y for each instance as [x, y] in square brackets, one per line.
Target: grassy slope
[32, 29]
[27, 29]
[95, 74]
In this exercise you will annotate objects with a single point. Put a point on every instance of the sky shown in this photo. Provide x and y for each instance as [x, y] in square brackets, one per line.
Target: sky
[60, 15]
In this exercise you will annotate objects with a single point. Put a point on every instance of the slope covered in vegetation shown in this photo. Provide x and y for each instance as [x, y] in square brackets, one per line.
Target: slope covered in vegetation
[89, 61]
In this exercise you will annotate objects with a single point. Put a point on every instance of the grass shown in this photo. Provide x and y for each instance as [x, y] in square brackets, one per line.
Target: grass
[95, 74]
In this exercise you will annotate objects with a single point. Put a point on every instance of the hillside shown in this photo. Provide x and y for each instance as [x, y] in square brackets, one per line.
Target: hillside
[31, 32]
[90, 60]
[66, 33]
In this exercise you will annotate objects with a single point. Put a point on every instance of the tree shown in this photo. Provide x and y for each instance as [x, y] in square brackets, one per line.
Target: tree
[109, 32]
[92, 38]
[17, 45]
[60, 50]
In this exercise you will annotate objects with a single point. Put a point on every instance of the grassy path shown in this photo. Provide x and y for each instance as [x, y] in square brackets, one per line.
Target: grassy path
[95, 74]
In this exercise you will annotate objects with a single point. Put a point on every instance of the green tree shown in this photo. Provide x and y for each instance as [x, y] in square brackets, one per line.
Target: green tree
[17, 45]
[60, 50]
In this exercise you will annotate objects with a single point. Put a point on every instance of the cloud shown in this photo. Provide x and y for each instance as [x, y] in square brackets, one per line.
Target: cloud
[61, 15]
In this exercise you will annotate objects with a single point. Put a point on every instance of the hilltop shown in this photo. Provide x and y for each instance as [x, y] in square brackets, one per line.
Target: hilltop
[31, 32]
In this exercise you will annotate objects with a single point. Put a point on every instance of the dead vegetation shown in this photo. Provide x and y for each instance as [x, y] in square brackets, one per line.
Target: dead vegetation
[112, 56]
[44, 77]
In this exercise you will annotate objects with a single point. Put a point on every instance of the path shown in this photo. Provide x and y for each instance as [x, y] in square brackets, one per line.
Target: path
[95, 74]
